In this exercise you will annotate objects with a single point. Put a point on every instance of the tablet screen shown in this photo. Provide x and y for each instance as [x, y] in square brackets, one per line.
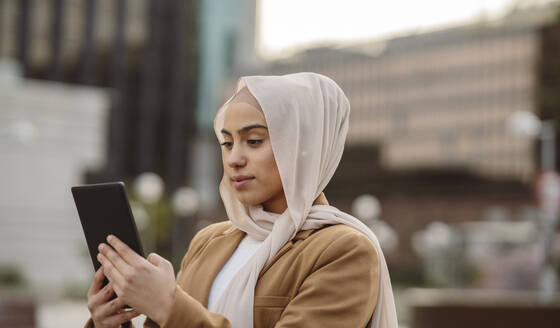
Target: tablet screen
[104, 209]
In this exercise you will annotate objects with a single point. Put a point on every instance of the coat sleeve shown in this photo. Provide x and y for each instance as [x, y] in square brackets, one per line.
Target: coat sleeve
[185, 310]
[188, 312]
[342, 288]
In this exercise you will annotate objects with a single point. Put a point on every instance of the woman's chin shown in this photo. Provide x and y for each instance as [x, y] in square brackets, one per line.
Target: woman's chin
[247, 200]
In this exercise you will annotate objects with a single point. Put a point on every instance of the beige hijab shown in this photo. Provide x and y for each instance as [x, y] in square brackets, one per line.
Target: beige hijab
[307, 116]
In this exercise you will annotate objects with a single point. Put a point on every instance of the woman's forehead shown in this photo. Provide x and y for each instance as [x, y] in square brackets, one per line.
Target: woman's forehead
[243, 96]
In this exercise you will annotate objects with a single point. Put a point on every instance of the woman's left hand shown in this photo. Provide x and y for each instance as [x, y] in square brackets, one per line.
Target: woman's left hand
[147, 285]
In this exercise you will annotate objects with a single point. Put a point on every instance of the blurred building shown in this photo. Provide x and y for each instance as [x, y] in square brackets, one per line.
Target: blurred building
[441, 99]
[428, 131]
[50, 133]
[162, 64]
[166, 60]
[227, 32]
[227, 47]
[52, 32]
[145, 51]
[141, 58]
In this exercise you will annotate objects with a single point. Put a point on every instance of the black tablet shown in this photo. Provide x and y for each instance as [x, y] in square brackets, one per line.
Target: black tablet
[104, 209]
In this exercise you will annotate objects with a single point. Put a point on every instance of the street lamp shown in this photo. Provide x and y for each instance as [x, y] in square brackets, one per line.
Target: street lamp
[437, 247]
[367, 208]
[149, 187]
[185, 202]
[527, 124]
[24, 132]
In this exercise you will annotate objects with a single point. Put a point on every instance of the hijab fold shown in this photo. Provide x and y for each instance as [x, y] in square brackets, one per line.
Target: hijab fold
[307, 116]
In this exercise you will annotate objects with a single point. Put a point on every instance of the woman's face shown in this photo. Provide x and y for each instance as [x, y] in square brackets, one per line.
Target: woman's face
[248, 160]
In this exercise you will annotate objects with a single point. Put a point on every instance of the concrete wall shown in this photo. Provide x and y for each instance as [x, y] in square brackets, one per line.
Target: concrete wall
[50, 134]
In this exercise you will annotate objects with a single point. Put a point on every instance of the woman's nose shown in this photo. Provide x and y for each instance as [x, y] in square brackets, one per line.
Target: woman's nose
[236, 157]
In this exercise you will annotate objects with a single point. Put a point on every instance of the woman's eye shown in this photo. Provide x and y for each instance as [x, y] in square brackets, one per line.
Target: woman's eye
[226, 144]
[254, 141]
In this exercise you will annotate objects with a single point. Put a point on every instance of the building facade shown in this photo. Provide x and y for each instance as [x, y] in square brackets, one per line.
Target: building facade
[428, 129]
[440, 99]
[50, 133]
[144, 51]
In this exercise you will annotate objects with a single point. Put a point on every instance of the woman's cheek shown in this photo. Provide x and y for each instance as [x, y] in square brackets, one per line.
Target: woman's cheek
[267, 159]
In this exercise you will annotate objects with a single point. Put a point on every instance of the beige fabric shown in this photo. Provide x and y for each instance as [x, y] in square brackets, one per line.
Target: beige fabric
[313, 281]
[245, 96]
[307, 116]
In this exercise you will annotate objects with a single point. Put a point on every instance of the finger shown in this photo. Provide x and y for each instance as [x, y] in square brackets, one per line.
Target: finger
[121, 265]
[130, 256]
[111, 272]
[96, 282]
[102, 297]
[156, 260]
[122, 317]
[110, 308]
[106, 293]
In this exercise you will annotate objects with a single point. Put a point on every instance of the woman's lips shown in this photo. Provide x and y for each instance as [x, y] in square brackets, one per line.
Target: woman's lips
[241, 183]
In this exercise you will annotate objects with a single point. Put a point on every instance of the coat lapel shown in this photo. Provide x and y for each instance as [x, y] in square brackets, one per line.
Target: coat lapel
[198, 279]
[320, 200]
[211, 260]
[299, 236]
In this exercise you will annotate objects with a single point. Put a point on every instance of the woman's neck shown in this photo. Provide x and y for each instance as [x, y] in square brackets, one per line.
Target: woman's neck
[276, 205]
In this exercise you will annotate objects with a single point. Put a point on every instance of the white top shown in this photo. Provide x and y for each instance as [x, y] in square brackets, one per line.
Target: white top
[246, 249]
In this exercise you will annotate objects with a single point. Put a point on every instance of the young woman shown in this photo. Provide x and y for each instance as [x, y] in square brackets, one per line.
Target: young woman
[285, 257]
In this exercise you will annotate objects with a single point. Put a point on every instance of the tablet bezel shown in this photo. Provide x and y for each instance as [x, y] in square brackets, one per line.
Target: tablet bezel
[131, 238]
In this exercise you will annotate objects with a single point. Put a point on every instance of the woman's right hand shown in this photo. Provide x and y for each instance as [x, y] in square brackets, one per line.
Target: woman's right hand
[105, 313]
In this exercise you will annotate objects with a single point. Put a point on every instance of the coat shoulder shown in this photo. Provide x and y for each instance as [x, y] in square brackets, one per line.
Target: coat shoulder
[214, 229]
[341, 231]
[341, 238]
[203, 236]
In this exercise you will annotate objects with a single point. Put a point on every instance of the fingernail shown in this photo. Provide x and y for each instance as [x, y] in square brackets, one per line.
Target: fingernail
[100, 247]
[110, 237]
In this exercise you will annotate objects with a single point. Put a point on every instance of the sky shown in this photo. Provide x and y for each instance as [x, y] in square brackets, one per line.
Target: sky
[285, 26]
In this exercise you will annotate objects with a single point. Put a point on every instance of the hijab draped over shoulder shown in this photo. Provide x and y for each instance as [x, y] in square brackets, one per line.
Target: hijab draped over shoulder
[307, 116]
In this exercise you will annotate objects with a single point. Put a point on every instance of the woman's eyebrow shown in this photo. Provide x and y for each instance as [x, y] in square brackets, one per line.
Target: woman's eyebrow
[247, 128]
[252, 126]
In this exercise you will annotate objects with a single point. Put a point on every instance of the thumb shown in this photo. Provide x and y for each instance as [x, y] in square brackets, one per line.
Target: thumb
[155, 259]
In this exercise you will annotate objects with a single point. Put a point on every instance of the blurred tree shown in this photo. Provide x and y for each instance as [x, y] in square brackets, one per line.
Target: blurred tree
[155, 234]
[11, 276]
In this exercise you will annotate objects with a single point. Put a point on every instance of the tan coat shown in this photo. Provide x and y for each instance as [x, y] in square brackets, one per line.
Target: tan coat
[322, 278]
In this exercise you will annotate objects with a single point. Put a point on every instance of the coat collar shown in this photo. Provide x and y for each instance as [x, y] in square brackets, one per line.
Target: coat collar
[234, 235]
[299, 236]
[228, 241]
